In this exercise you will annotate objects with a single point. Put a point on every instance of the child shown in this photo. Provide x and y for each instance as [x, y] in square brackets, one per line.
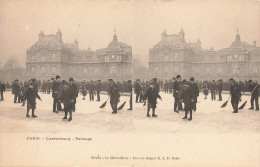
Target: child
[188, 100]
[152, 95]
[30, 95]
[67, 98]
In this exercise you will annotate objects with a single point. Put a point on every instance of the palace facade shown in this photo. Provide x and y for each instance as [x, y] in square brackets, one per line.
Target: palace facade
[173, 55]
[50, 56]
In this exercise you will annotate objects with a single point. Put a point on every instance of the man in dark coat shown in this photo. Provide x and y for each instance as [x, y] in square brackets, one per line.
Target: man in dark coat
[67, 98]
[55, 92]
[235, 93]
[220, 88]
[194, 91]
[151, 94]
[2, 90]
[188, 100]
[75, 91]
[156, 85]
[254, 89]
[137, 90]
[30, 95]
[129, 90]
[166, 86]
[114, 95]
[98, 88]
[16, 91]
[176, 93]
[91, 90]
[212, 88]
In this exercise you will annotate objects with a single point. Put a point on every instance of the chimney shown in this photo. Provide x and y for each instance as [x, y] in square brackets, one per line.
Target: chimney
[164, 35]
[254, 43]
[41, 34]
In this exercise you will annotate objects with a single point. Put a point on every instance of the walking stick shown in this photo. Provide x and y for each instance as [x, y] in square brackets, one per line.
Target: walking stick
[244, 104]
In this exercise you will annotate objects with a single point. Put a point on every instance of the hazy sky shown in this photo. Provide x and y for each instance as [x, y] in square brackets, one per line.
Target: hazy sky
[137, 23]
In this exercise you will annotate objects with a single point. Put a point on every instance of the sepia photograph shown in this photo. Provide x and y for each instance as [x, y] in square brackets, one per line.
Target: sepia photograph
[157, 83]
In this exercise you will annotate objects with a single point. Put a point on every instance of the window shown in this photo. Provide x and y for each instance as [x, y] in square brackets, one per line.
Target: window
[113, 56]
[242, 58]
[229, 58]
[235, 70]
[53, 70]
[53, 57]
[219, 70]
[197, 70]
[166, 58]
[106, 58]
[74, 70]
[176, 56]
[85, 71]
[255, 69]
[155, 70]
[43, 58]
[33, 69]
[33, 57]
[118, 58]
[166, 70]
[207, 71]
[176, 69]
[96, 70]
[113, 70]
[43, 69]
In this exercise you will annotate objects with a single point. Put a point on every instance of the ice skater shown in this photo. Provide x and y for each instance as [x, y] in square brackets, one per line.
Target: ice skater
[30, 94]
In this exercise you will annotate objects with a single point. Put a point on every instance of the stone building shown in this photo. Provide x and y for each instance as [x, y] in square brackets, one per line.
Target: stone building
[50, 56]
[173, 55]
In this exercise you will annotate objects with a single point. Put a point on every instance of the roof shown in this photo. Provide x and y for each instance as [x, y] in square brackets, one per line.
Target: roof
[50, 40]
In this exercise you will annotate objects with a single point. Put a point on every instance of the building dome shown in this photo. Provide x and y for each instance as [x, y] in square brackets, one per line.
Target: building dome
[114, 45]
[237, 43]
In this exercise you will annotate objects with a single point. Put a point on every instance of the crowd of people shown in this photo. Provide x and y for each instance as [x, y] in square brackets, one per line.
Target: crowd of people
[66, 92]
[187, 92]
[183, 91]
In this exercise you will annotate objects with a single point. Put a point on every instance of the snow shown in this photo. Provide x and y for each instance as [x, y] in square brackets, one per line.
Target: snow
[209, 117]
[88, 117]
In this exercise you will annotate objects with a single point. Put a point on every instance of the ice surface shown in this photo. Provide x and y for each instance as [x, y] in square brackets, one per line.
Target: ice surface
[209, 117]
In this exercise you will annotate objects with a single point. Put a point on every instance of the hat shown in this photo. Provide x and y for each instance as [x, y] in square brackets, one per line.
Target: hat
[110, 79]
[71, 79]
[178, 76]
[192, 79]
[138, 80]
[231, 79]
[57, 77]
[186, 82]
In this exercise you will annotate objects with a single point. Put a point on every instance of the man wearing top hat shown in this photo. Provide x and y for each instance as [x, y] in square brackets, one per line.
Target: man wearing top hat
[75, 91]
[177, 89]
[137, 90]
[98, 88]
[55, 92]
